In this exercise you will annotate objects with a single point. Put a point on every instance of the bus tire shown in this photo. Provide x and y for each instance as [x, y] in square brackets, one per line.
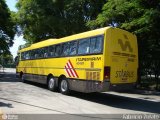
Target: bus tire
[51, 84]
[64, 86]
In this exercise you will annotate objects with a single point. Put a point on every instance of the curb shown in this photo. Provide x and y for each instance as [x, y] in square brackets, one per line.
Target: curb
[146, 92]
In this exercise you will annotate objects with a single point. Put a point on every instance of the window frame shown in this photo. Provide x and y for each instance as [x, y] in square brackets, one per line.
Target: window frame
[87, 39]
[102, 44]
[62, 49]
[76, 48]
[69, 55]
[60, 52]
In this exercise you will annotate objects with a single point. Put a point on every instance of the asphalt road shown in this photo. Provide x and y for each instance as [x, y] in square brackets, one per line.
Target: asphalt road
[31, 98]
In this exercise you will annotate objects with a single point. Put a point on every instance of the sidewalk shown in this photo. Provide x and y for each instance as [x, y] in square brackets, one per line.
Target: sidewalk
[8, 70]
[147, 92]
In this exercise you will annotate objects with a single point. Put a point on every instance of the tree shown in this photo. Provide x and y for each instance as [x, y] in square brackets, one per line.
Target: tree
[7, 59]
[7, 29]
[40, 20]
[140, 17]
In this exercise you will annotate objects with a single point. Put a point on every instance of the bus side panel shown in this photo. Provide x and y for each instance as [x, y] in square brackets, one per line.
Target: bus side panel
[80, 67]
[83, 68]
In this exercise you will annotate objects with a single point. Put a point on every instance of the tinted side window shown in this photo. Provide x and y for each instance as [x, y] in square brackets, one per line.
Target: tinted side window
[40, 52]
[57, 50]
[51, 51]
[27, 55]
[96, 44]
[65, 49]
[32, 54]
[83, 47]
[45, 52]
[72, 48]
[36, 53]
[22, 56]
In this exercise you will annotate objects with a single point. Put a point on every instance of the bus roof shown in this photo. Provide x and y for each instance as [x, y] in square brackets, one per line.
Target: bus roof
[38, 45]
[65, 39]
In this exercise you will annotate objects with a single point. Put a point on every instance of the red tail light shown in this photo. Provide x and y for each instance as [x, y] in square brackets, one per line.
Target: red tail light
[107, 73]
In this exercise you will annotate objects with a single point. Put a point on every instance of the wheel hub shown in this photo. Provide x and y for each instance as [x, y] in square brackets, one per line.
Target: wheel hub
[51, 83]
[64, 85]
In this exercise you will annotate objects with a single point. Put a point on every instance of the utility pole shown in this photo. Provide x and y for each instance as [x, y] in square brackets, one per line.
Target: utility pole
[2, 60]
[2, 63]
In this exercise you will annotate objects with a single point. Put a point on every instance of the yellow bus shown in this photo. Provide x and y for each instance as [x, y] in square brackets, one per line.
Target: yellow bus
[95, 61]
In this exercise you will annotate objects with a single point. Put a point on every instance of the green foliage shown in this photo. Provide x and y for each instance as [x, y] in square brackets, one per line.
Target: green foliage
[6, 59]
[140, 17]
[40, 20]
[7, 29]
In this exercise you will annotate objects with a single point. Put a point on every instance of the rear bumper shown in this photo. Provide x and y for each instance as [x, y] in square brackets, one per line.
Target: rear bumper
[88, 86]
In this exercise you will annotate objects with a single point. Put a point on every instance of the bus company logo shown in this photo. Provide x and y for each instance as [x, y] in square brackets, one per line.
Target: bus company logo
[70, 70]
[125, 45]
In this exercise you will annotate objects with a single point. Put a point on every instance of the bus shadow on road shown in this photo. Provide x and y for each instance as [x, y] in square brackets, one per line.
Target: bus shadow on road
[8, 77]
[121, 102]
[36, 84]
[116, 101]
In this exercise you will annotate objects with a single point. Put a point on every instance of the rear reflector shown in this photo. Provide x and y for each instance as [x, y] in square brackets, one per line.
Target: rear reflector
[106, 73]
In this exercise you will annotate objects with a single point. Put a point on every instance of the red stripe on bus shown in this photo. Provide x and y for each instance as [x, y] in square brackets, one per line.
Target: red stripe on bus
[67, 71]
[73, 69]
[70, 69]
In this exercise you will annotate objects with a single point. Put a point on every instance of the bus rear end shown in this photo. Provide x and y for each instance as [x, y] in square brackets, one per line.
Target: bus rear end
[121, 59]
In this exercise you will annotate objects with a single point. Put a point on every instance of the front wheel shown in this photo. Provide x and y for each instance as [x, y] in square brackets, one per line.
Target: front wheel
[64, 87]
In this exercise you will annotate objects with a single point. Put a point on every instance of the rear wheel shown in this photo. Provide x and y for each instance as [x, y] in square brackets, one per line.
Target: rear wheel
[52, 84]
[64, 87]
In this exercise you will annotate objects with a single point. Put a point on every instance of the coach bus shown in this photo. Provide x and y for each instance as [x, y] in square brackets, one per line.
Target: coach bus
[94, 61]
